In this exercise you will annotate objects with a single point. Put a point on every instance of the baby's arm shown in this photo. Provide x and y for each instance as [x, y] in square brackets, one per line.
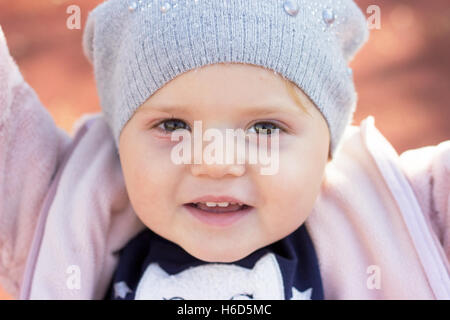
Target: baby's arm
[428, 170]
[31, 147]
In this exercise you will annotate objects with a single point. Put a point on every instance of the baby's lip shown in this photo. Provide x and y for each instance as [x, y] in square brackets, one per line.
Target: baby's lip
[220, 198]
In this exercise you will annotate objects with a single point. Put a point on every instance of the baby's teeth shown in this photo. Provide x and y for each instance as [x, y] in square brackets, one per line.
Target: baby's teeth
[220, 204]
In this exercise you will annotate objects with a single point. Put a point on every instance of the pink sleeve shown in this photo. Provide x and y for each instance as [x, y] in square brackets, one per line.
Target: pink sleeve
[31, 147]
[428, 170]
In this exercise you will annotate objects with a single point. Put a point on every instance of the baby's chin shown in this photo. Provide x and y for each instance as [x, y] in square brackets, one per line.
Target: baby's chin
[212, 252]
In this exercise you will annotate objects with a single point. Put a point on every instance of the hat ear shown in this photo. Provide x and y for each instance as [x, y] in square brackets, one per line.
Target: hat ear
[88, 37]
[353, 32]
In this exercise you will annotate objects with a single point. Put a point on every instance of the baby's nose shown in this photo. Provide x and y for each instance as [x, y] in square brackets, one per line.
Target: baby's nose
[217, 171]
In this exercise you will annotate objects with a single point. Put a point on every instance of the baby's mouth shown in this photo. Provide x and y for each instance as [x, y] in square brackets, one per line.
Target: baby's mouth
[219, 207]
[218, 211]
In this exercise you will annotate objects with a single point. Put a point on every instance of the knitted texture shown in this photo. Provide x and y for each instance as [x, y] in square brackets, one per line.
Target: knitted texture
[138, 46]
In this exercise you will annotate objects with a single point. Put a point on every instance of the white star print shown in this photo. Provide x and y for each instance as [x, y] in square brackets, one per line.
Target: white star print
[121, 289]
[297, 295]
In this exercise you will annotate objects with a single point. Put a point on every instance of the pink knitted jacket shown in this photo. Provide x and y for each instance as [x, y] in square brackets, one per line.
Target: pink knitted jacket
[63, 203]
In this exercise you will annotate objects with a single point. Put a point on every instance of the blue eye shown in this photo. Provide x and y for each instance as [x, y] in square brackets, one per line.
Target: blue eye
[171, 125]
[265, 128]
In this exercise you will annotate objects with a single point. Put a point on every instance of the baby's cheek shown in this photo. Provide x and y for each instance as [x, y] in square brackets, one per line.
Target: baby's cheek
[291, 193]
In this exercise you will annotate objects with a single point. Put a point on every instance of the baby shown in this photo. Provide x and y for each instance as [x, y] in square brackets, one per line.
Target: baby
[112, 213]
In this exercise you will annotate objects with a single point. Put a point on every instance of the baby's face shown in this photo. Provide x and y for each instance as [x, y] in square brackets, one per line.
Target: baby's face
[166, 195]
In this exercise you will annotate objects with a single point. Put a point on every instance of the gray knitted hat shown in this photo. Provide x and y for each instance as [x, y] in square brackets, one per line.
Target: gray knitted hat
[138, 46]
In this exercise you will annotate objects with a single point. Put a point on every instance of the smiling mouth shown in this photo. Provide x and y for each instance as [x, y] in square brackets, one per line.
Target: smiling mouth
[219, 207]
[218, 214]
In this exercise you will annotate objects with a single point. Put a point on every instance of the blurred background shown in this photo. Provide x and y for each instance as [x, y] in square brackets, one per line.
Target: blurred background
[402, 75]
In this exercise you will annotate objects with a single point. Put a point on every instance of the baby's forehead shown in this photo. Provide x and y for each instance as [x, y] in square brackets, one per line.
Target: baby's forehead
[229, 85]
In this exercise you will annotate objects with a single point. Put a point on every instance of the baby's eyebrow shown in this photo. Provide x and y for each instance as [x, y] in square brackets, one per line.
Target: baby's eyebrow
[168, 109]
[266, 110]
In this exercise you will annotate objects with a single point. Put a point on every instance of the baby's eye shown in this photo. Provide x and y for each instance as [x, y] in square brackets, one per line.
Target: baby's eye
[264, 128]
[171, 125]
